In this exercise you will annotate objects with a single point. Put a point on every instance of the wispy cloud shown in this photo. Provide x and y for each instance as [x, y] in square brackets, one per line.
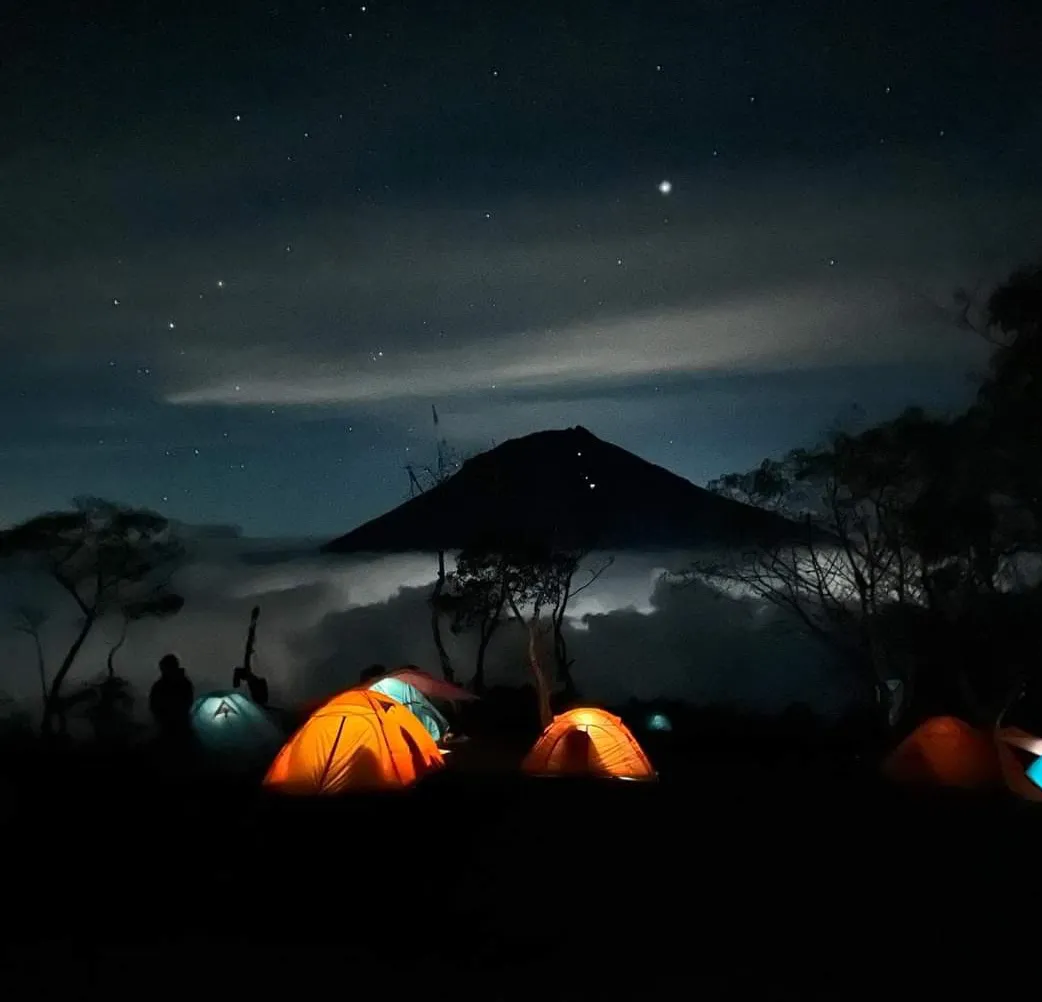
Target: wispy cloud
[806, 328]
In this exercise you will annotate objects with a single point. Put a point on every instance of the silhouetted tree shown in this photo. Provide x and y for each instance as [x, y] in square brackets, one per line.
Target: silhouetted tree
[103, 556]
[894, 517]
[930, 525]
[29, 620]
[535, 582]
[110, 698]
[476, 601]
[1007, 413]
[423, 478]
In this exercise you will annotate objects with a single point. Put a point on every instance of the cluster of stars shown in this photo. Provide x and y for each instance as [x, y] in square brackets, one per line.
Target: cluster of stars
[665, 188]
[145, 370]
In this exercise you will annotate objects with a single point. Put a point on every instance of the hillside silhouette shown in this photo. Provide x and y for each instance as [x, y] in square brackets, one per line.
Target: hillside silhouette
[569, 489]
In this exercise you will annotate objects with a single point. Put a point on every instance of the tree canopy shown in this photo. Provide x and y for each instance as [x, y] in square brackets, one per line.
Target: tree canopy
[108, 558]
[916, 525]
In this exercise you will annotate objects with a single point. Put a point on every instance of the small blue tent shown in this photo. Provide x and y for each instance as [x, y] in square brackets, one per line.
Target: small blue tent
[416, 702]
[659, 722]
[230, 725]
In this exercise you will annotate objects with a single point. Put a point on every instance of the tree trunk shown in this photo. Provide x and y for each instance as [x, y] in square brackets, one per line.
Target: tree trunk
[110, 661]
[41, 667]
[443, 655]
[478, 682]
[564, 666]
[542, 689]
[52, 704]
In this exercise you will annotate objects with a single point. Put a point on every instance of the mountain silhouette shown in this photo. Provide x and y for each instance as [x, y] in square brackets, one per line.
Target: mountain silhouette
[567, 489]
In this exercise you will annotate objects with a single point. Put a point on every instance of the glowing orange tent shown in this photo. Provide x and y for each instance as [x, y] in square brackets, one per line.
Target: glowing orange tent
[588, 742]
[945, 751]
[359, 740]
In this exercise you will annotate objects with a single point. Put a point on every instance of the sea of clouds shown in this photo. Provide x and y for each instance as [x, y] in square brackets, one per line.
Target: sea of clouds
[633, 632]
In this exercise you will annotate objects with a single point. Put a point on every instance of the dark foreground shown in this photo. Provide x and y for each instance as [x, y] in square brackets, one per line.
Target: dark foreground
[721, 880]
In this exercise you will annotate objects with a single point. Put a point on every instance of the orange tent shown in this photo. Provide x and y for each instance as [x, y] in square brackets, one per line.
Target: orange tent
[588, 742]
[945, 751]
[359, 740]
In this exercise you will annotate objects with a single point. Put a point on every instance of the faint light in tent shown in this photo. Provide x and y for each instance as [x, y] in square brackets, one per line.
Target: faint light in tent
[659, 722]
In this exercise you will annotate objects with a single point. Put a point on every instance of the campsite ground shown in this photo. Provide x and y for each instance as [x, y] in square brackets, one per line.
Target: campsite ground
[729, 875]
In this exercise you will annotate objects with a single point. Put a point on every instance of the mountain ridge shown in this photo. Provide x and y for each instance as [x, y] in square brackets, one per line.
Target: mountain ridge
[566, 488]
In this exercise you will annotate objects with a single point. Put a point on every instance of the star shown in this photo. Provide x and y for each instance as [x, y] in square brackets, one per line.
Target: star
[171, 325]
[238, 118]
[220, 283]
[665, 187]
[115, 302]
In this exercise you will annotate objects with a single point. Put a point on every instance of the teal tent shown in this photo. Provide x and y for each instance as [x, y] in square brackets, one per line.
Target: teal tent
[230, 725]
[416, 702]
[659, 722]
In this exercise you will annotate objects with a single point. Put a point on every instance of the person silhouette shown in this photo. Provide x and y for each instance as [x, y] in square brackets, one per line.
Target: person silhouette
[577, 754]
[171, 698]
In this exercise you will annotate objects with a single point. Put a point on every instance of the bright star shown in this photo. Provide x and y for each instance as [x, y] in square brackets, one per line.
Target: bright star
[665, 187]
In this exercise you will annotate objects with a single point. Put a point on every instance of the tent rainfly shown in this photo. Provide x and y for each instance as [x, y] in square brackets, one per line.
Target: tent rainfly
[415, 702]
[431, 687]
[359, 740]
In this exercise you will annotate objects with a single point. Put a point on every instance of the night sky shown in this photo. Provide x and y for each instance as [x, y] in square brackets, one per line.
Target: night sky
[245, 246]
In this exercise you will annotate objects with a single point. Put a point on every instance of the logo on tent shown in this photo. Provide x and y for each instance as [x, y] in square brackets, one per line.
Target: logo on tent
[224, 710]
